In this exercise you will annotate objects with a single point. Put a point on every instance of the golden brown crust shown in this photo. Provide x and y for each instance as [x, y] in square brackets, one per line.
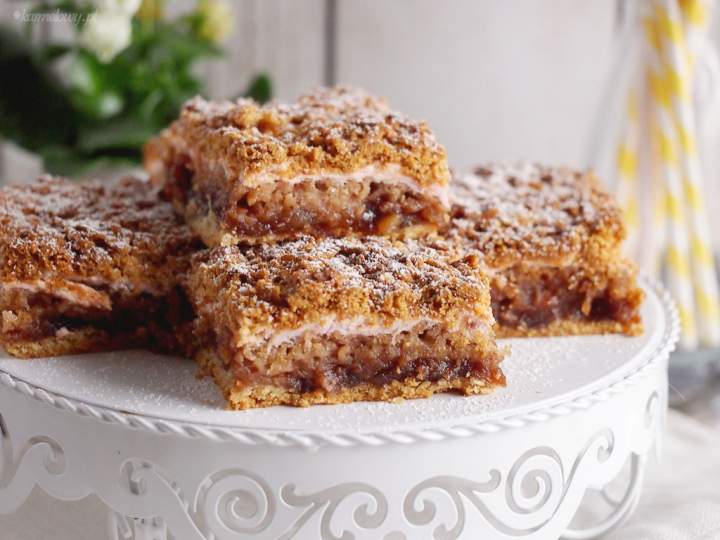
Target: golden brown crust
[87, 266]
[328, 130]
[112, 231]
[90, 339]
[333, 320]
[550, 239]
[582, 327]
[72, 342]
[268, 395]
[531, 212]
[301, 282]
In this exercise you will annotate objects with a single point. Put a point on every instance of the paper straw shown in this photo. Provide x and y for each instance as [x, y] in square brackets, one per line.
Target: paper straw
[678, 64]
[609, 124]
[677, 250]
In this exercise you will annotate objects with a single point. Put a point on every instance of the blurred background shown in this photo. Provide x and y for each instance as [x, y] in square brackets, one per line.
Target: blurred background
[496, 79]
[84, 83]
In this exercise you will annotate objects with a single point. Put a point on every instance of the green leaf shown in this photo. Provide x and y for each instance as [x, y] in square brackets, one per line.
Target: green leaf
[67, 161]
[119, 134]
[95, 88]
[260, 88]
[52, 52]
[105, 111]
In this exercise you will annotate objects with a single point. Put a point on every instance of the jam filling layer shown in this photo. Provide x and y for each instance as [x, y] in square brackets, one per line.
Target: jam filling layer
[336, 361]
[31, 316]
[313, 205]
[535, 303]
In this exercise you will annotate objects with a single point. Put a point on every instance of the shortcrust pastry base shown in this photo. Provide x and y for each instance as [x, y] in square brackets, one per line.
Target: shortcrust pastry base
[270, 395]
[79, 341]
[564, 327]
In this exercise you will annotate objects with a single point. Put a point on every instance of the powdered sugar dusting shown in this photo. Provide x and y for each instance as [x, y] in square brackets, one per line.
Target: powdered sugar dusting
[530, 208]
[329, 130]
[325, 114]
[94, 229]
[372, 264]
[284, 286]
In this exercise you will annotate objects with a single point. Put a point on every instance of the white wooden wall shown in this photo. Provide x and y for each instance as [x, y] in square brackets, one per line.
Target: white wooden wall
[496, 79]
[285, 38]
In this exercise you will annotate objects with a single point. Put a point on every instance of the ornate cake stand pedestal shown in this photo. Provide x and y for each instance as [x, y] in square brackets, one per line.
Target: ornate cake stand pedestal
[156, 446]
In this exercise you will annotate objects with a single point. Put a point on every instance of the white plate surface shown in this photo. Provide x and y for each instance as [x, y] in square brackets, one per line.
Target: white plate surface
[540, 372]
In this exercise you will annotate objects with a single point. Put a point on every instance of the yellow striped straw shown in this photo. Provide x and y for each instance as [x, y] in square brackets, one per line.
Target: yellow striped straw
[661, 32]
[674, 23]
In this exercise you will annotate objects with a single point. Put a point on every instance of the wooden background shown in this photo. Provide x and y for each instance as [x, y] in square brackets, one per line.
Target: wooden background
[496, 79]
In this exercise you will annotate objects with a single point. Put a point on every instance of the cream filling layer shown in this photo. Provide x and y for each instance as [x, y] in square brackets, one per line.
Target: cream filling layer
[81, 294]
[390, 174]
[75, 293]
[358, 326]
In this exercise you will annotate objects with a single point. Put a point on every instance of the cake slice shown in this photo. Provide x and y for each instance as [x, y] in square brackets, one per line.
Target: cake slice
[550, 239]
[90, 266]
[340, 320]
[336, 163]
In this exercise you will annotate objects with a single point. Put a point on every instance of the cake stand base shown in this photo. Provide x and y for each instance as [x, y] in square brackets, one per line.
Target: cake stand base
[155, 445]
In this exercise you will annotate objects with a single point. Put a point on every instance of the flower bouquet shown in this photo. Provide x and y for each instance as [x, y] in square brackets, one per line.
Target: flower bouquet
[91, 101]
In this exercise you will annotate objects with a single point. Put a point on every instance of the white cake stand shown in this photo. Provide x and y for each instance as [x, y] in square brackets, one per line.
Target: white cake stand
[156, 446]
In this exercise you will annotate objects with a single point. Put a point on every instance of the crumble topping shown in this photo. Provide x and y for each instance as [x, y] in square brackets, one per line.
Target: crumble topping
[338, 320]
[335, 130]
[291, 284]
[518, 212]
[549, 238]
[97, 233]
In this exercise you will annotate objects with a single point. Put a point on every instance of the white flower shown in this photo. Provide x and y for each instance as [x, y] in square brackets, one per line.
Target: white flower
[128, 7]
[109, 29]
[107, 33]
